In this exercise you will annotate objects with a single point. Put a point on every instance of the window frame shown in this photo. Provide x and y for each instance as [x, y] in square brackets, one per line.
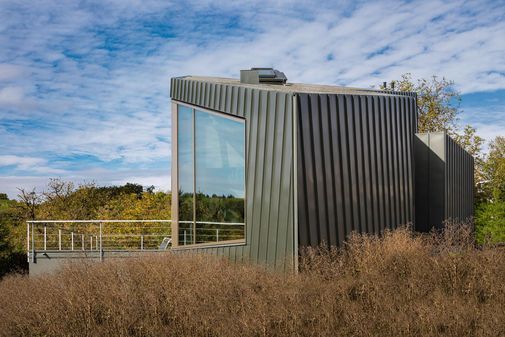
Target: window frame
[175, 183]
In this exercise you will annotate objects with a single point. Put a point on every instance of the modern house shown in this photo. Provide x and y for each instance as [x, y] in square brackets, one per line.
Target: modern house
[300, 165]
[262, 167]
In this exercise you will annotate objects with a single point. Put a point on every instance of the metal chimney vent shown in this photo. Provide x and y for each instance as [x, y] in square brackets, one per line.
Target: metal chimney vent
[262, 76]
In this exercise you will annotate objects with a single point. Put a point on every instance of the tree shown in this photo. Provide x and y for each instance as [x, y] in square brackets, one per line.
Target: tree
[12, 237]
[30, 201]
[437, 102]
[490, 222]
[494, 170]
[438, 108]
[471, 142]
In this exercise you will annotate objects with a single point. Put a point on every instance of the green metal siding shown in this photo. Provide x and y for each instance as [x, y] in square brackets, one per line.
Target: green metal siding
[269, 166]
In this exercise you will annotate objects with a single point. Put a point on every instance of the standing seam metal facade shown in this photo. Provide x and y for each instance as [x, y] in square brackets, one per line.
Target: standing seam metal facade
[269, 166]
[322, 165]
[460, 181]
[444, 190]
[355, 165]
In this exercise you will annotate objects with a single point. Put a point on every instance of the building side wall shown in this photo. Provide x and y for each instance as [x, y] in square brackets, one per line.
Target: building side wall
[269, 167]
[444, 181]
[460, 181]
[430, 180]
[355, 165]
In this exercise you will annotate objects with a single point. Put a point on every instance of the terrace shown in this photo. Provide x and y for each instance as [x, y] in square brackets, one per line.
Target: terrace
[109, 238]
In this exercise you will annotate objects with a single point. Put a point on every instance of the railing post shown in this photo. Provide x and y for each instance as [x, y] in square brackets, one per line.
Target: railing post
[217, 234]
[28, 242]
[101, 247]
[91, 243]
[59, 239]
[82, 241]
[72, 240]
[184, 238]
[142, 242]
[45, 237]
[34, 259]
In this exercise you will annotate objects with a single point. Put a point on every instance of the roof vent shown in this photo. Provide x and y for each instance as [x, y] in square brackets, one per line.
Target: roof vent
[262, 76]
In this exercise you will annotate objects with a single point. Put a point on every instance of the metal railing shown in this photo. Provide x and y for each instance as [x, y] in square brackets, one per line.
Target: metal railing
[95, 237]
[208, 231]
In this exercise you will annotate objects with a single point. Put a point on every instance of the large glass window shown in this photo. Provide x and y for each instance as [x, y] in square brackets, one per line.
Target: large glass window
[212, 200]
[185, 144]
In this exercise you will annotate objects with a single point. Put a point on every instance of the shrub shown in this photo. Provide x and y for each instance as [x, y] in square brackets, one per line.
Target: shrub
[401, 284]
[490, 222]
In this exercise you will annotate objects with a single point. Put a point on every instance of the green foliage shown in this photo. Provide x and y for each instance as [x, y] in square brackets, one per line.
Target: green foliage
[470, 141]
[12, 255]
[494, 170]
[437, 101]
[490, 222]
[212, 208]
[438, 107]
[132, 206]
[63, 201]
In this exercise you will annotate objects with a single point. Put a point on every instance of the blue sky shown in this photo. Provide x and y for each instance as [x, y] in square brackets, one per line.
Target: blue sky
[84, 85]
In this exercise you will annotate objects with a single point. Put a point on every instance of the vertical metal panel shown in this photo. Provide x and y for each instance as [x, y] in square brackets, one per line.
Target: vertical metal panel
[353, 164]
[444, 181]
[269, 166]
[459, 182]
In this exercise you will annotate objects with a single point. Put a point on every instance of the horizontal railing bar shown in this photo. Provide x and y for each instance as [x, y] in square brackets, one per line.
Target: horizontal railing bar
[133, 221]
[214, 223]
[93, 221]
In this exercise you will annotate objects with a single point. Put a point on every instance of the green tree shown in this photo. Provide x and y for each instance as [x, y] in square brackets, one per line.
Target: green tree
[12, 253]
[490, 222]
[494, 170]
[438, 102]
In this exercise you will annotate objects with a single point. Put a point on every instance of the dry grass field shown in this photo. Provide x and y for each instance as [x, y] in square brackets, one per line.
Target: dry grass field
[398, 285]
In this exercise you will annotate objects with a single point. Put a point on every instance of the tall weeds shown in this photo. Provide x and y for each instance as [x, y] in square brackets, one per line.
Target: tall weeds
[400, 284]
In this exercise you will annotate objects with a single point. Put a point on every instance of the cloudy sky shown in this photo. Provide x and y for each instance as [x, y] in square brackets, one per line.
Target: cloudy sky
[84, 85]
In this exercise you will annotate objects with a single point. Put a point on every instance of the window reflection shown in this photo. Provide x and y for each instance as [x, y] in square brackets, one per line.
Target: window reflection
[218, 150]
[220, 166]
[186, 188]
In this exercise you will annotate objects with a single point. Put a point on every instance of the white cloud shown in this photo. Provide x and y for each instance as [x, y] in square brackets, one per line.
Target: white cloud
[11, 96]
[10, 71]
[92, 79]
[21, 162]
[29, 164]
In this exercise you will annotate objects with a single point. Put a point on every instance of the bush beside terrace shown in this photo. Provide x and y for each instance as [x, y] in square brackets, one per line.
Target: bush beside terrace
[401, 284]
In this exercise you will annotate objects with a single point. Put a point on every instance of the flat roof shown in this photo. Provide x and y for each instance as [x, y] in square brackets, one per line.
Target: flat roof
[296, 87]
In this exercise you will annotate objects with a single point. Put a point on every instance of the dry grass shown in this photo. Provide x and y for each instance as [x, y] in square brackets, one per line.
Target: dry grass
[397, 285]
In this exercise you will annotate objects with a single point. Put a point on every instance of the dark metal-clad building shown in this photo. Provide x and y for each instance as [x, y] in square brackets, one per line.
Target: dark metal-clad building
[444, 181]
[354, 164]
[319, 163]
[262, 168]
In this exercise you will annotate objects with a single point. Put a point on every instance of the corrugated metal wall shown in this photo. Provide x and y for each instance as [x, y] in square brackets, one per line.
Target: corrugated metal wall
[355, 164]
[269, 166]
[460, 182]
[444, 181]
